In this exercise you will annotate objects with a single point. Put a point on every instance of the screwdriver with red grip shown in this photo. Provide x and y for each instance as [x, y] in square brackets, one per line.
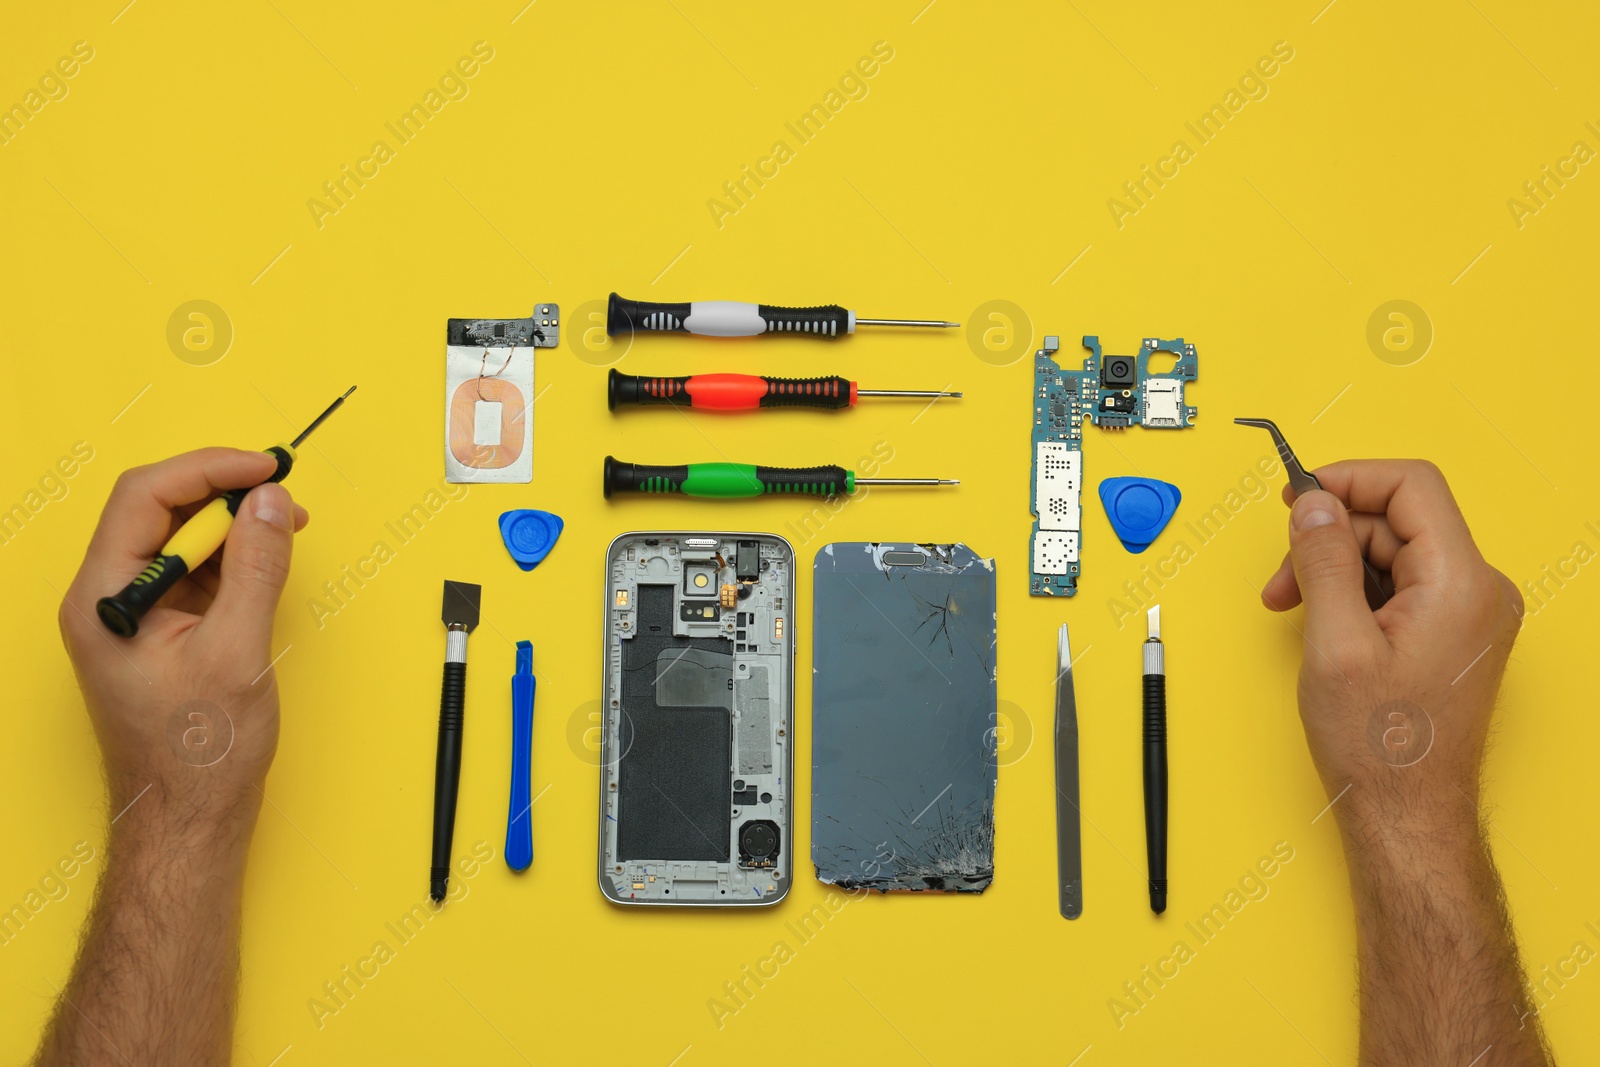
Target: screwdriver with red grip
[742, 392]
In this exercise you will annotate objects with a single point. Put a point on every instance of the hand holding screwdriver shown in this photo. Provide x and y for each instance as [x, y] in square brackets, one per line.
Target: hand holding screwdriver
[203, 659]
[186, 719]
[200, 536]
[742, 392]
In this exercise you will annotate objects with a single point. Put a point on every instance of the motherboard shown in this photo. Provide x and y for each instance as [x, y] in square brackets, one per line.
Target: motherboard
[1113, 393]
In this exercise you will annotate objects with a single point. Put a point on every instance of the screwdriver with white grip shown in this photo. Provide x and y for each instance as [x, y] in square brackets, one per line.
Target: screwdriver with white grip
[732, 318]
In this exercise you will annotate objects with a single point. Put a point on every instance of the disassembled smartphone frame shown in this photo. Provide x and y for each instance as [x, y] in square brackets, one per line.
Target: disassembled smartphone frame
[1112, 392]
[697, 760]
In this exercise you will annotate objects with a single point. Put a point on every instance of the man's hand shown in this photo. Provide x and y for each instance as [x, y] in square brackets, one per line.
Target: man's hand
[1396, 701]
[188, 707]
[186, 714]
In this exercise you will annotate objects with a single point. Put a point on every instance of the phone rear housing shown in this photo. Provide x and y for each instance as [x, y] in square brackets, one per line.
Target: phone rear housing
[697, 762]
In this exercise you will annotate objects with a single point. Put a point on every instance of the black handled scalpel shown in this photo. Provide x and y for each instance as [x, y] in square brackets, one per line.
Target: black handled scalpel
[1069, 831]
[1155, 762]
[460, 615]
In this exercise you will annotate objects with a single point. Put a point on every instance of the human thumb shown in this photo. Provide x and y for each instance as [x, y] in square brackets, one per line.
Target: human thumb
[1329, 571]
[255, 566]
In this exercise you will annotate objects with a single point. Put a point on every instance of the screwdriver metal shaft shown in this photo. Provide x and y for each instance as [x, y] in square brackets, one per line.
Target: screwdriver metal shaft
[907, 481]
[938, 324]
[732, 318]
[320, 419]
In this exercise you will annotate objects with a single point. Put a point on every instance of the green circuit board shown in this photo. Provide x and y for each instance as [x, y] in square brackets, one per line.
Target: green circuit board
[1111, 392]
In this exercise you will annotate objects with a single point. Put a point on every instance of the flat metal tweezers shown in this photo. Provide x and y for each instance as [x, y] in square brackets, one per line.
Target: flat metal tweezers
[1303, 481]
[1069, 832]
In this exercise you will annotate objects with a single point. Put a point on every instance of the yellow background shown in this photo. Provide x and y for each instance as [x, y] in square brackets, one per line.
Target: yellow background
[977, 167]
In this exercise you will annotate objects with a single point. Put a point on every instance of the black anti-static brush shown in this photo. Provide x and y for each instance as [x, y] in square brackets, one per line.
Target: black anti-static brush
[460, 615]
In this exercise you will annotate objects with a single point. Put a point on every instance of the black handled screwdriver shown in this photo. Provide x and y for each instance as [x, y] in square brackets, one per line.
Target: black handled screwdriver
[743, 392]
[732, 481]
[733, 318]
[1155, 761]
[194, 543]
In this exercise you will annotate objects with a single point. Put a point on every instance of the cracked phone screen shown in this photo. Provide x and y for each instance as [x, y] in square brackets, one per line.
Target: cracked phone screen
[903, 763]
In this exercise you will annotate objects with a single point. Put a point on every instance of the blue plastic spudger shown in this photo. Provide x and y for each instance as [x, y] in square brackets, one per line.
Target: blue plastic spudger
[1139, 509]
[519, 819]
[529, 535]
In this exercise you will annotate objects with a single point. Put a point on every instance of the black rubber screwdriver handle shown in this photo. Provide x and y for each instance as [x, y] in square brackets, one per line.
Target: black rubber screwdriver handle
[194, 543]
[1155, 787]
[725, 318]
[624, 389]
[831, 392]
[640, 316]
[725, 481]
[447, 775]
[729, 392]
[824, 320]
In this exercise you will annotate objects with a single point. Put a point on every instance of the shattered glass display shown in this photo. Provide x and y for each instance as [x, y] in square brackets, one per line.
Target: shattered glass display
[903, 765]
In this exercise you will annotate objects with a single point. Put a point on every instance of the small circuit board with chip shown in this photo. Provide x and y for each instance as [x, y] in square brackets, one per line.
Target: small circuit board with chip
[1113, 393]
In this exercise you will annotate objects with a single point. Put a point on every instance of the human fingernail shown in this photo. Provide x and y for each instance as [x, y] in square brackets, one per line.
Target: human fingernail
[272, 505]
[1313, 510]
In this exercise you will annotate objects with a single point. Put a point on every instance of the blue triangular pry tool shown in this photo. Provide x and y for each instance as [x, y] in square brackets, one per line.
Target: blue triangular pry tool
[1139, 509]
[529, 535]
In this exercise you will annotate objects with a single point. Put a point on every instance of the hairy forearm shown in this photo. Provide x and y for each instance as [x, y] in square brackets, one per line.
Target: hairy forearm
[155, 979]
[1440, 979]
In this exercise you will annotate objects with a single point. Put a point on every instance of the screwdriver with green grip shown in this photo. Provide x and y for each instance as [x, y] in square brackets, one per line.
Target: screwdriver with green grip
[736, 481]
[193, 544]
